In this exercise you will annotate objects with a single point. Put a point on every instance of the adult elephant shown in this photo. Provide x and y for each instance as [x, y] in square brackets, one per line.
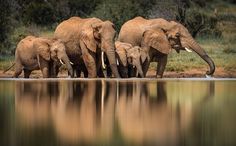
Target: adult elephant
[85, 40]
[34, 53]
[162, 36]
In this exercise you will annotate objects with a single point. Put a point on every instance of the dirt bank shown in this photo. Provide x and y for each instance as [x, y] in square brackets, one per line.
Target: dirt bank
[219, 73]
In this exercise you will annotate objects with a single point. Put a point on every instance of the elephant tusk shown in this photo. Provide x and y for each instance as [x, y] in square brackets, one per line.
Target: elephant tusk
[71, 63]
[62, 62]
[188, 50]
[103, 64]
[133, 66]
[117, 61]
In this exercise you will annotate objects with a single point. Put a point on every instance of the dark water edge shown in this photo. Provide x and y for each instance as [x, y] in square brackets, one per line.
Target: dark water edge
[51, 112]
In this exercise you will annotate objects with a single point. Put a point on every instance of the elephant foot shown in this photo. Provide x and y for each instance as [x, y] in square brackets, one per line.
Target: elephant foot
[158, 76]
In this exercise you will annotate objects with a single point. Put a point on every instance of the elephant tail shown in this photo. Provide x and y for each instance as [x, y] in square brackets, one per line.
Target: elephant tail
[9, 68]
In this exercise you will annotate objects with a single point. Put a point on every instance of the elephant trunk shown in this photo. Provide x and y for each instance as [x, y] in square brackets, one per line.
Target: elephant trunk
[196, 48]
[112, 60]
[137, 63]
[66, 60]
[140, 71]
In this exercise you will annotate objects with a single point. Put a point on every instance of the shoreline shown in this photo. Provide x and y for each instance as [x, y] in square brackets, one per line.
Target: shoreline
[192, 73]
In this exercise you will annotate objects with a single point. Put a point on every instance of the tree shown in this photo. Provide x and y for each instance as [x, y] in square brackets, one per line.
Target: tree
[121, 11]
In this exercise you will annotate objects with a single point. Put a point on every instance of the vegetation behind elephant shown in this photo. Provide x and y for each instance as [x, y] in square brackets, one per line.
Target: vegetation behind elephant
[33, 53]
[159, 37]
[87, 38]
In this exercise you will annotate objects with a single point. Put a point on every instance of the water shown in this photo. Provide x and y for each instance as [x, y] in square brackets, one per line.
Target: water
[111, 112]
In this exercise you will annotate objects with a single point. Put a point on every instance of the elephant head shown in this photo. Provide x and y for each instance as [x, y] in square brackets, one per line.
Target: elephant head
[127, 54]
[102, 35]
[52, 49]
[180, 39]
[136, 56]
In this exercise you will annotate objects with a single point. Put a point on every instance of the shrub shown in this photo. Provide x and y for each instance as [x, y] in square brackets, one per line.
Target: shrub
[121, 11]
[5, 25]
[40, 13]
[198, 23]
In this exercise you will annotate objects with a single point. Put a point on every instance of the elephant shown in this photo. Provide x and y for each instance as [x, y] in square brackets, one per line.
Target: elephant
[33, 53]
[129, 57]
[85, 40]
[80, 68]
[161, 37]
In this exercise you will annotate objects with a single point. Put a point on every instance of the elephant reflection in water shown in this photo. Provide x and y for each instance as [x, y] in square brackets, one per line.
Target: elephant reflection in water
[83, 116]
[86, 111]
[32, 101]
[79, 111]
[142, 118]
[146, 116]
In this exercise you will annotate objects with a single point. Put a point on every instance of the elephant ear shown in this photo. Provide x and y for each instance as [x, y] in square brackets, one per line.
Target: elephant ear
[97, 29]
[42, 48]
[156, 39]
[121, 50]
[87, 37]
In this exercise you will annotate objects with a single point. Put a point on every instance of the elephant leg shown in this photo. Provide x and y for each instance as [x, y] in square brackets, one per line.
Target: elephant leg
[131, 71]
[162, 61]
[99, 65]
[85, 73]
[27, 73]
[44, 66]
[54, 70]
[109, 71]
[78, 73]
[89, 61]
[100, 73]
[145, 67]
[90, 65]
[74, 68]
[18, 70]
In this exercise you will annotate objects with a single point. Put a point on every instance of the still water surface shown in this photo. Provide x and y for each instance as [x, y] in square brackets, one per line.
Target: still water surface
[103, 112]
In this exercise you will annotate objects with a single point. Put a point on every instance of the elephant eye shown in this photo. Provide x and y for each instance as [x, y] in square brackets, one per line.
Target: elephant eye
[177, 34]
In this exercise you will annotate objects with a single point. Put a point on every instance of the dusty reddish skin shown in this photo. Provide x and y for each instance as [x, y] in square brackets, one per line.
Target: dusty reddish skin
[199, 73]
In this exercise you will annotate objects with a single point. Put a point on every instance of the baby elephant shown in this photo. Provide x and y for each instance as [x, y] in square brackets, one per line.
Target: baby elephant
[33, 53]
[130, 57]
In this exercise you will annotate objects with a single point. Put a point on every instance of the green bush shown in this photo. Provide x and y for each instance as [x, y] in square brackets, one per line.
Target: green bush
[41, 13]
[121, 11]
[199, 22]
[228, 49]
[5, 25]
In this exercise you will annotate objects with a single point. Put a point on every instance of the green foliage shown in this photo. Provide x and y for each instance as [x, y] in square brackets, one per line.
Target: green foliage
[198, 20]
[82, 8]
[120, 11]
[202, 24]
[40, 13]
[231, 1]
[4, 15]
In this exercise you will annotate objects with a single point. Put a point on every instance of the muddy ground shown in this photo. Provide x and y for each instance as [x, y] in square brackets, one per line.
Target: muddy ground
[219, 73]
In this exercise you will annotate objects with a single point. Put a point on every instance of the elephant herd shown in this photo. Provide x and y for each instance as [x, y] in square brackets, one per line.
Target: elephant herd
[90, 46]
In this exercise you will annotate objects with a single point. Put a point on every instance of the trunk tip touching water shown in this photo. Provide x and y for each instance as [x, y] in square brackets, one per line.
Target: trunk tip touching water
[211, 64]
[196, 48]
